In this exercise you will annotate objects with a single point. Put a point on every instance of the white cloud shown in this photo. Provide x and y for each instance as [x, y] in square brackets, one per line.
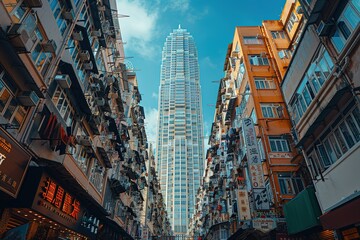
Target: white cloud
[154, 95]
[151, 120]
[139, 29]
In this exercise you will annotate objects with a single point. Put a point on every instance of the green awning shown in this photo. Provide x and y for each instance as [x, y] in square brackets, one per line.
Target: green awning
[302, 212]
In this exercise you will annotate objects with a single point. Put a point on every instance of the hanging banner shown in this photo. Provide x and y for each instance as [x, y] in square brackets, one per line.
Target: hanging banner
[243, 205]
[253, 155]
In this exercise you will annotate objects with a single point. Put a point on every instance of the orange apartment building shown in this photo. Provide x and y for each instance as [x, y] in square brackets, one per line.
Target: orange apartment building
[261, 55]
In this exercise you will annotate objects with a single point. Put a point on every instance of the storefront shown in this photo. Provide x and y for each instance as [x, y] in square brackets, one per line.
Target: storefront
[46, 209]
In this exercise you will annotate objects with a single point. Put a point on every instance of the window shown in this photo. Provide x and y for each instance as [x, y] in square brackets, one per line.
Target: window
[278, 34]
[285, 54]
[264, 83]
[337, 140]
[278, 144]
[9, 107]
[258, 60]
[253, 40]
[311, 83]
[291, 22]
[289, 184]
[63, 105]
[271, 110]
[58, 7]
[346, 24]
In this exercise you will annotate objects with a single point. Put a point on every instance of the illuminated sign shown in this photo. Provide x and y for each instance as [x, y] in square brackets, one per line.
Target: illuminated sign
[60, 199]
[264, 224]
[13, 164]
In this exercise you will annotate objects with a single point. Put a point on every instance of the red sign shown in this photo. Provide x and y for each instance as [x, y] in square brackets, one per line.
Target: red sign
[60, 199]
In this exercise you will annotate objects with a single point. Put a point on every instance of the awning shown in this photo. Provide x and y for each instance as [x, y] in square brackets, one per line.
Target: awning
[85, 45]
[345, 215]
[343, 93]
[302, 212]
[104, 156]
[75, 92]
[11, 61]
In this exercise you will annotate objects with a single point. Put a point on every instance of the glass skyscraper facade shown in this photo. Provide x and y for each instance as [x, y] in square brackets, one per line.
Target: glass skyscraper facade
[180, 155]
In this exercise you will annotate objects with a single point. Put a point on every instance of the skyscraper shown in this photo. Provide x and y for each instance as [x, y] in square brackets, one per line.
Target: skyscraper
[180, 160]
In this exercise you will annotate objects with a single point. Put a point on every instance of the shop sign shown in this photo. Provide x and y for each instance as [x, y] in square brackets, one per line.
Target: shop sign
[264, 224]
[261, 199]
[280, 155]
[57, 203]
[145, 233]
[253, 154]
[13, 164]
[243, 205]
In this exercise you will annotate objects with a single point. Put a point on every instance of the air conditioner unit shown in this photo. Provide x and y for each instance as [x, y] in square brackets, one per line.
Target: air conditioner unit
[88, 65]
[33, 3]
[96, 33]
[234, 54]
[102, 8]
[49, 46]
[77, 36]
[21, 36]
[227, 96]
[323, 28]
[109, 79]
[63, 80]
[84, 140]
[28, 98]
[84, 55]
[95, 87]
[68, 14]
[299, 10]
[105, 26]
[99, 101]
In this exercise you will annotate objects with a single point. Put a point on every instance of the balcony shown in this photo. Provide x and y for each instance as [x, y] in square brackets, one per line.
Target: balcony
[302, 212]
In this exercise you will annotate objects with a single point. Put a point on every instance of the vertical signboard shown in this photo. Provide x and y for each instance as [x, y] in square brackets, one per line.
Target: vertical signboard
[13, 164]
[243, 205]
[253, 155]
[261, 199]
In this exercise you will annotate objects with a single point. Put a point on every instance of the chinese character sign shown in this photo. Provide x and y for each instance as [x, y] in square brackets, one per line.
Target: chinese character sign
[261, 199]
[243, 205]
[253, 155]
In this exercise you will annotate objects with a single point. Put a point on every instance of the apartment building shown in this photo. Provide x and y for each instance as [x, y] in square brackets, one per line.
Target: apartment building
[321, 89]
[73, 142]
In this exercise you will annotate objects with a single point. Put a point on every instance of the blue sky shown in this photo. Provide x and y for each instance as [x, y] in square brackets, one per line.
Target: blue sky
[211, 23]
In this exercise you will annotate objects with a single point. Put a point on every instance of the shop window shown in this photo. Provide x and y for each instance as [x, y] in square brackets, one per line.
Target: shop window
[290, 184]
[258, 60]
[346, 24]
[13, 113]
[278, 144]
